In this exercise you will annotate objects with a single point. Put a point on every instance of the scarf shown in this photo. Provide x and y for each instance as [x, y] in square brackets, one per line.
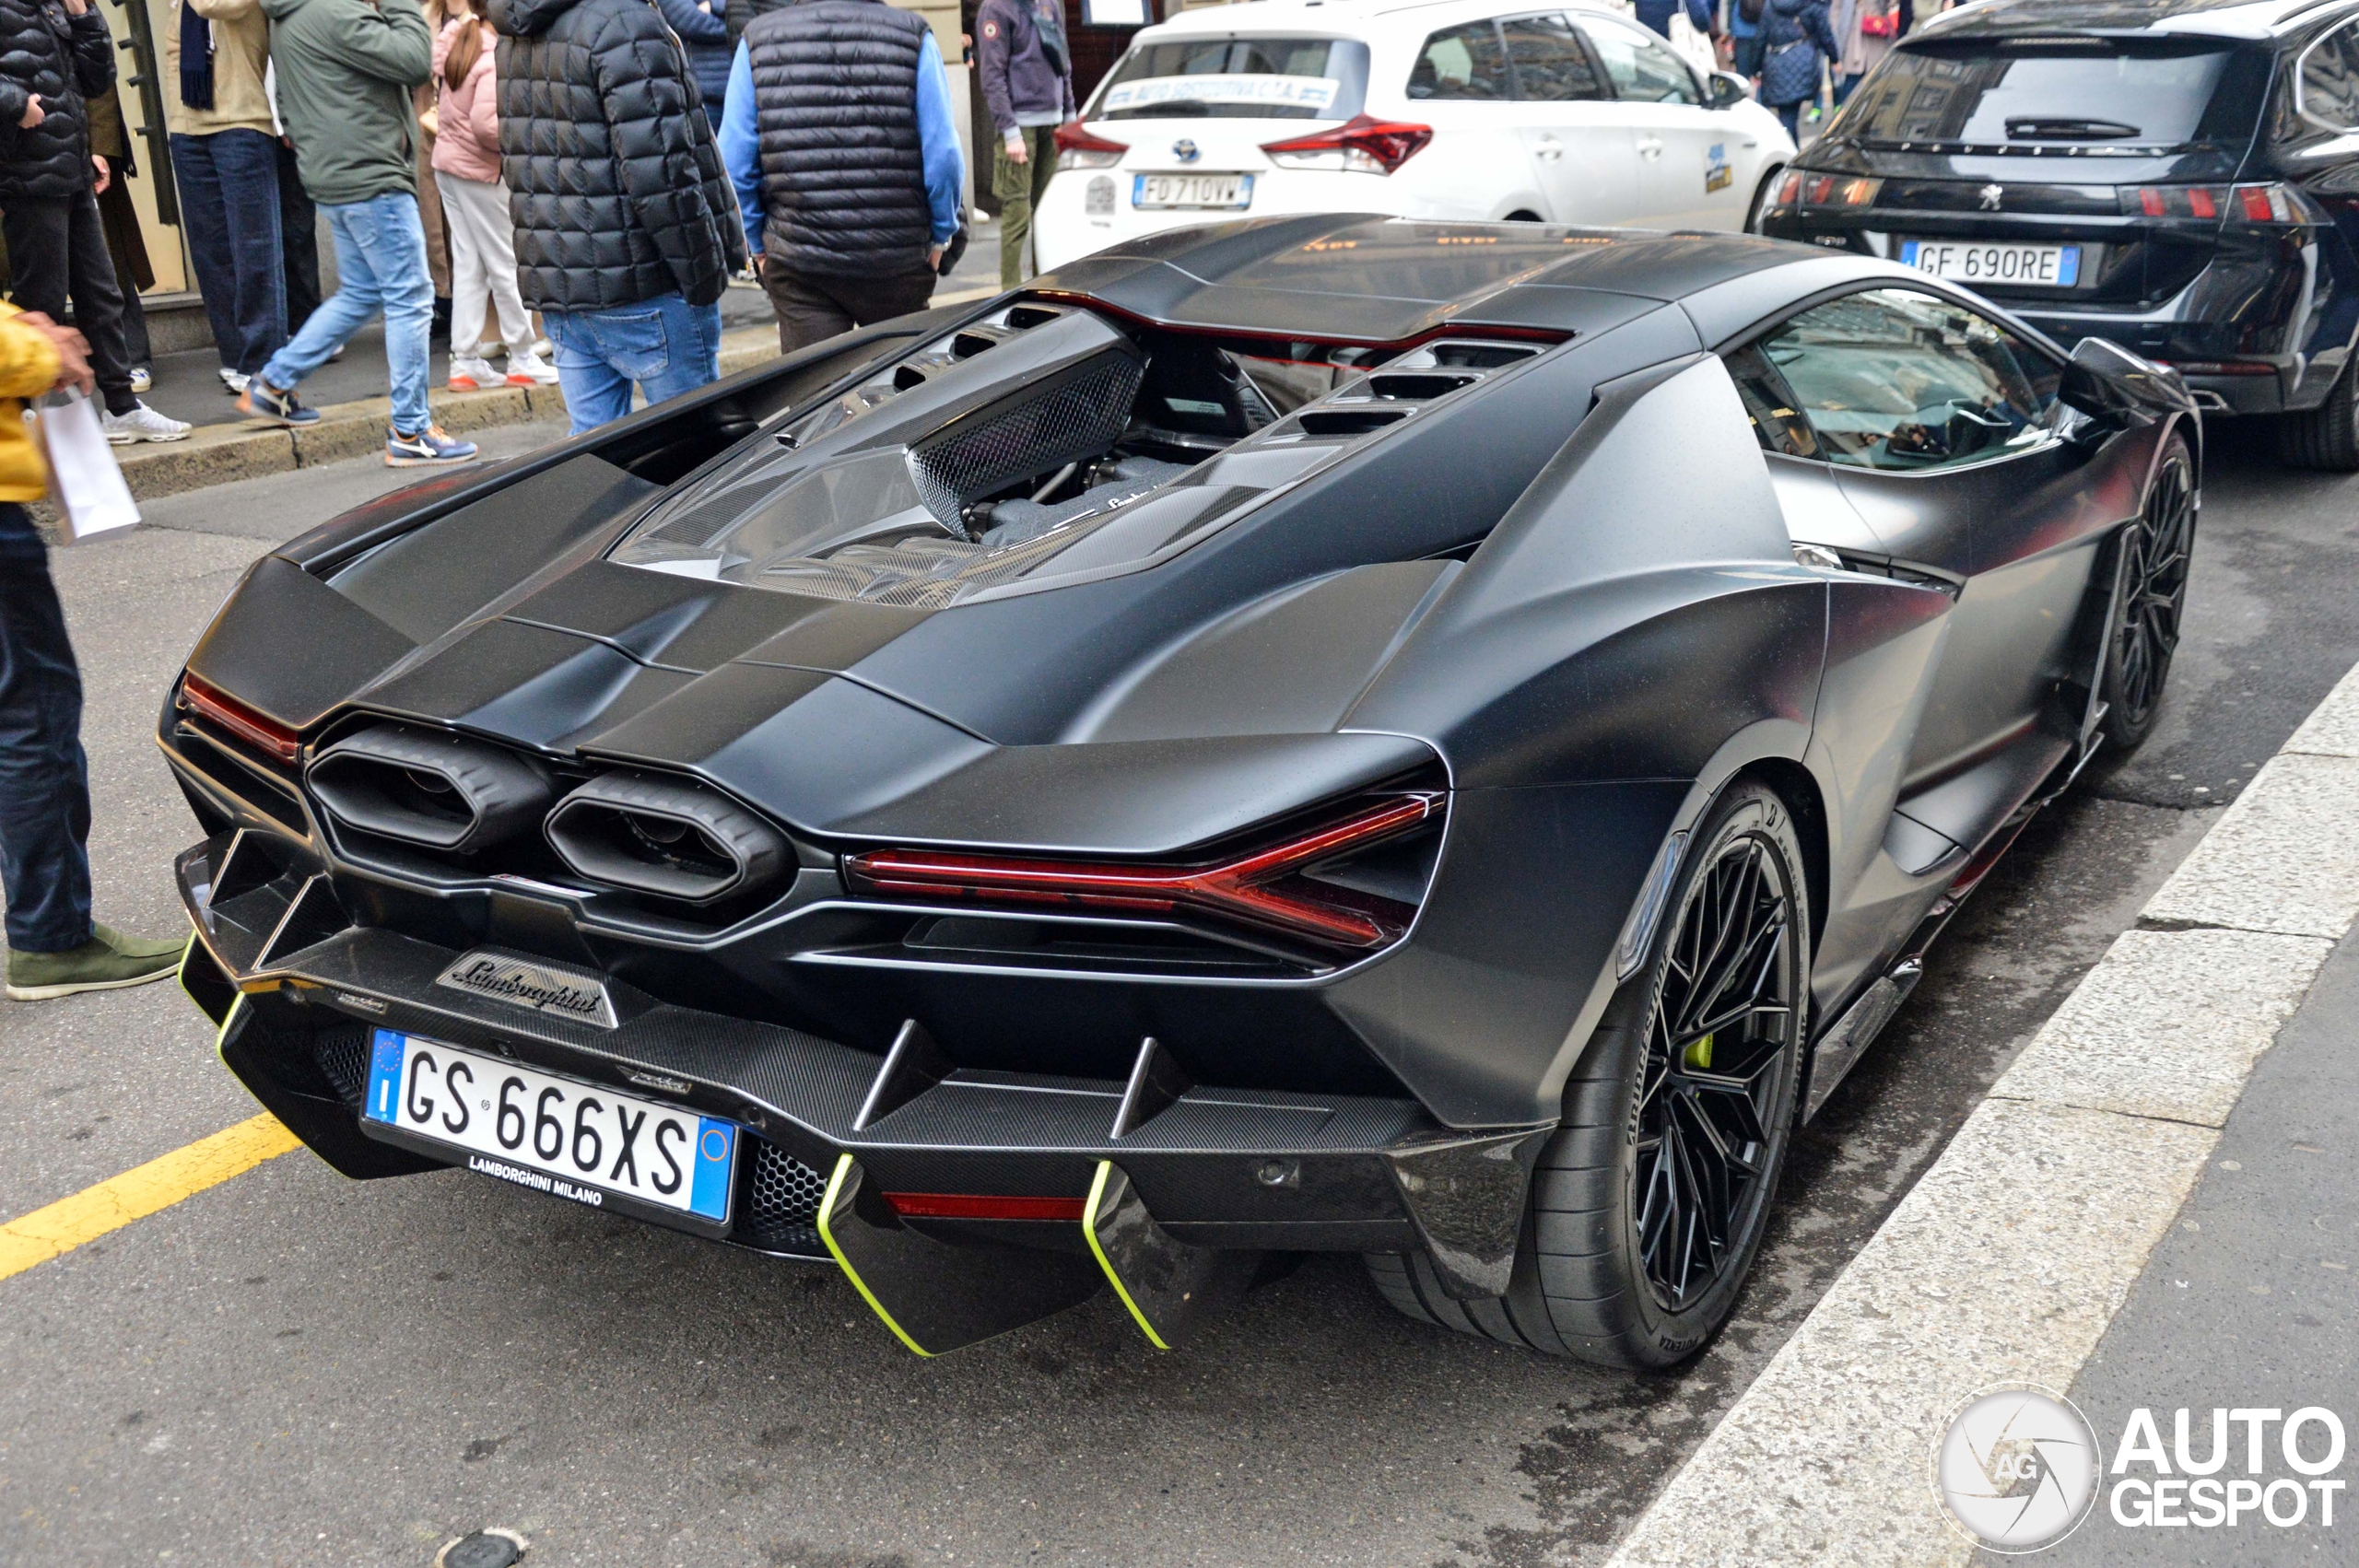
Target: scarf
[196, 58]
[1049, 16]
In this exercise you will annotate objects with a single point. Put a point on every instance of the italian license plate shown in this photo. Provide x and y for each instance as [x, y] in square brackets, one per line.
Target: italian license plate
[559, 1136]
[1151, 192]
[2045, 267]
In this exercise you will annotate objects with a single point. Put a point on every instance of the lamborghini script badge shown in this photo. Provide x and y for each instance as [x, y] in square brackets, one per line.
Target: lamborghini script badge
[581, 999]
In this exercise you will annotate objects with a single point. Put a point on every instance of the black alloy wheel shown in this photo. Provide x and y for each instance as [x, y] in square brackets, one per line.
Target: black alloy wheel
[2144, 635]
[1718, 1055]
[1649, 1202]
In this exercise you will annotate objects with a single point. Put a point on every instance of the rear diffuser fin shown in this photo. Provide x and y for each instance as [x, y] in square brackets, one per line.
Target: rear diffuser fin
[1168, 1287]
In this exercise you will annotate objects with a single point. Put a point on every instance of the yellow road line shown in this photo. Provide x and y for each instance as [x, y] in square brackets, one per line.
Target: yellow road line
[90, 1213]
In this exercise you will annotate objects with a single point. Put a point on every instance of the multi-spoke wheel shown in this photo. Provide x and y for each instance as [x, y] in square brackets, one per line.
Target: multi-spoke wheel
[2144, 634]
[1648, 1204]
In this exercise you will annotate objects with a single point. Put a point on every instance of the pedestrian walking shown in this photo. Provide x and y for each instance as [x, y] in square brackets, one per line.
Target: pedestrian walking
[54, 948]
[126, 246]
[1864, 31]
[1027, 71]
[475, 210]
[627, 231]
[1795, 43]
[839, 141]
[54, 56]
[344, 70]
[704, 32]
[225, 159]
[1744, 39]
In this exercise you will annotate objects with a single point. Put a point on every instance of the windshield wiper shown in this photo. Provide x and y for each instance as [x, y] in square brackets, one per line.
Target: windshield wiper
[2030, 129]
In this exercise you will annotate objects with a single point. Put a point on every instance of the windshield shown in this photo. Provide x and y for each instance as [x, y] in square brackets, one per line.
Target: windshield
[2024, 93]
[1238, 79]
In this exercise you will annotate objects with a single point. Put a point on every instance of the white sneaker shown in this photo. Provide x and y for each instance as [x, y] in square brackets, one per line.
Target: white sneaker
[529, 370]
[142, 379]
[232, 381]
[543, 349]
[142, 424]
[469, 373]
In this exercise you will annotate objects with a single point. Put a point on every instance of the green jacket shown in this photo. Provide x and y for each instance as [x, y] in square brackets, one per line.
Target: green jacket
[344, 69]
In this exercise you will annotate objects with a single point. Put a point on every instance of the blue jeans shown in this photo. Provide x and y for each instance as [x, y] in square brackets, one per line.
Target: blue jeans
[45, 780]
[666, 344]
[228, 185]
[380, 264]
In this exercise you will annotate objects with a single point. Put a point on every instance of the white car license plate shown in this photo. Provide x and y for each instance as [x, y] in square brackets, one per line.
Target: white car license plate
[577, 1141]
[1151, 192]
[2047, 266]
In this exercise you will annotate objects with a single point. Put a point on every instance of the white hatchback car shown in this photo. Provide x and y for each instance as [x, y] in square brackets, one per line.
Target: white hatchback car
[1467, 108]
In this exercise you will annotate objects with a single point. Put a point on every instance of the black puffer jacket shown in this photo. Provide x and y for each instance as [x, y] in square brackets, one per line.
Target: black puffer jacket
[62, 59]
[616, 188]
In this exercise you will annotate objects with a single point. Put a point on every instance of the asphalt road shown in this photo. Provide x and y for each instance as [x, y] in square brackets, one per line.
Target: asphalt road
[289, 1368]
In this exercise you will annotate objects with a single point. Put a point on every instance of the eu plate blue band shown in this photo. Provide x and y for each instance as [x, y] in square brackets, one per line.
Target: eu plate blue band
[384, 1076]
[710, 1196]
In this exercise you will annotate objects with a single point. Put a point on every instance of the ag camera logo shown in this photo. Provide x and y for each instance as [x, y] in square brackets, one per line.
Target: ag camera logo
[2017, 1468]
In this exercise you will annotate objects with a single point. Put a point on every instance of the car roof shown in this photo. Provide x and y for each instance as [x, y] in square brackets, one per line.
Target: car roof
[2221, 18]
[1362, 278]
[1340, 19]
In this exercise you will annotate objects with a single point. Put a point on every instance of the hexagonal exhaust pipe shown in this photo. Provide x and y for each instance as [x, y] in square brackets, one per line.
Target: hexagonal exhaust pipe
[666, 838]
[429, 787]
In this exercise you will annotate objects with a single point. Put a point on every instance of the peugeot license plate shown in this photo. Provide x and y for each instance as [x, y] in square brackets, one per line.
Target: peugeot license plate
[572, 1140]
[2042, 266]
[1153, 192]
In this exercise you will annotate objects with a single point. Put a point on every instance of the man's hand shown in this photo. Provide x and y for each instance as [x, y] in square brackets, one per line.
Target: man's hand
[933, 257]
[105, 177]
[73, 352]
[76, 7]
[34, 113]
[1016, 151]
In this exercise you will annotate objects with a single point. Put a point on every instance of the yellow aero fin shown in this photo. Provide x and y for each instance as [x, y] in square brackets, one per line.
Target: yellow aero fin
[1089, 1217]
[840, 1186]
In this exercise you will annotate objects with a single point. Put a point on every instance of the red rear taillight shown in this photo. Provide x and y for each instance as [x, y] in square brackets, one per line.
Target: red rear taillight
[2237, 203]
[980, 1206]
[216, 707]
[1262, 888]
[1364, 143]
[1079, 148]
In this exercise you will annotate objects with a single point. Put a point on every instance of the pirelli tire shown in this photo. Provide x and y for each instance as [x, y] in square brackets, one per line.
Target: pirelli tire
[1591, 1280]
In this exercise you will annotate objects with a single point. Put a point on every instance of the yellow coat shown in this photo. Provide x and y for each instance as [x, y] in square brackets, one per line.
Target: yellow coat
[28, 368]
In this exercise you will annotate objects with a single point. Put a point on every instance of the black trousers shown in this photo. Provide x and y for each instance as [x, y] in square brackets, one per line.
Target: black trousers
[298, 233]
[58, 251]
[812, 306]
[44, 780]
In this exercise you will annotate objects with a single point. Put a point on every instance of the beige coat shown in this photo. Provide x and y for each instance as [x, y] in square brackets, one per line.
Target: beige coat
[240, 53]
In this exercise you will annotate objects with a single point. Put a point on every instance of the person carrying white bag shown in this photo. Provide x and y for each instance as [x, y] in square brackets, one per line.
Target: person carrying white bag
[54, 948]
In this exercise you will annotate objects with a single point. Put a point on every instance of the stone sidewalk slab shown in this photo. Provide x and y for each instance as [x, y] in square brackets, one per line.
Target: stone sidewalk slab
[2283, 857]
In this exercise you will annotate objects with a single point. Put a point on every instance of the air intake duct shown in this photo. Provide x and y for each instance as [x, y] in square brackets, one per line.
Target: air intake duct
[665, 837]
[429, 787]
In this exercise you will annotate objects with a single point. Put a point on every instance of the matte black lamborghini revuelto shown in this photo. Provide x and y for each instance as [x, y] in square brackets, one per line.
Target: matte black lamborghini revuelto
[1326, 734]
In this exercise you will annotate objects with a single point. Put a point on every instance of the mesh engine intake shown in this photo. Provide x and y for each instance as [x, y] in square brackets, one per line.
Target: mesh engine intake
[1079, 414]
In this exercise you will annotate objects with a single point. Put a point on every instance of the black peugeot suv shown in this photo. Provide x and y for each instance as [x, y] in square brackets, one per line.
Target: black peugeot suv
[2178, 176]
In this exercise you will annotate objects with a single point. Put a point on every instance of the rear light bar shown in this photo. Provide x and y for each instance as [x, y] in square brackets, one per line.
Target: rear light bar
[1363, 145]
[1799, 189]
[1259, 889]
[1079, 148]
[2232, 203]
[977, 1206]
[215, 705]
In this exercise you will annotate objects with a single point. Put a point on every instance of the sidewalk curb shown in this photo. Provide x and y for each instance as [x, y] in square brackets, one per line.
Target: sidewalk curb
[2009, 1258]
[218, 454]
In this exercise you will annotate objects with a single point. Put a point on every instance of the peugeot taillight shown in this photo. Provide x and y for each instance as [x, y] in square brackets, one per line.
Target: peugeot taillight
[1364, 145]
[1263, 887]
[1080, 148]
[257, 730]
[2235, 204]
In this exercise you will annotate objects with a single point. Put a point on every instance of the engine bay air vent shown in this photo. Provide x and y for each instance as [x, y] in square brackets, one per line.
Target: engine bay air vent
[429, 787]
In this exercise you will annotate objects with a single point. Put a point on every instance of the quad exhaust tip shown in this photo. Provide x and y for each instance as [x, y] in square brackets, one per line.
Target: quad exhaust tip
[429, 787]
[666, 838]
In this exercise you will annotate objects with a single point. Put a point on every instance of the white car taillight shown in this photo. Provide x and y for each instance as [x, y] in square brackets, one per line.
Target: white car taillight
[1077, 148]
[1362, 145]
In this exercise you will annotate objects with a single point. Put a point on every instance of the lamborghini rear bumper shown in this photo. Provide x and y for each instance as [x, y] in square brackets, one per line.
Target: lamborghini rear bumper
[299, 991]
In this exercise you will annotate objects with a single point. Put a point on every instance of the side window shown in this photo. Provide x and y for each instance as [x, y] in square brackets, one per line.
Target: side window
[1896, 379]
[1641, 66]
[2329, 84]
[1463, 62]
[1550, 64]
[1777, 424]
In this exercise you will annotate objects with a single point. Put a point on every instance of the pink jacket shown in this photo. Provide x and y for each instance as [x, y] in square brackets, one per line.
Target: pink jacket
[466, 140]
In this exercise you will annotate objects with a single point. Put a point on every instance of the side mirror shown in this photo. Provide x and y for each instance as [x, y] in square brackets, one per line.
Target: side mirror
[2105, 388]
[1729, 90]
